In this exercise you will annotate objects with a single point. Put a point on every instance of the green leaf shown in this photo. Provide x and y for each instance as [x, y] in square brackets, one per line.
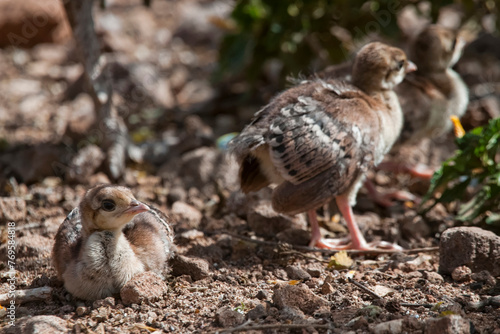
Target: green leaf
[456, 191]
[493, 219]
[474, 166]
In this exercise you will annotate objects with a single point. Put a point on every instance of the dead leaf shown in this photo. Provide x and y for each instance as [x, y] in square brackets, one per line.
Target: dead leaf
[340, 261]
[383, 290]
[141, 326]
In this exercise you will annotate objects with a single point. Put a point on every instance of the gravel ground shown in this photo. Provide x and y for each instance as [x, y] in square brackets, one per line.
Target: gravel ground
[239, 266]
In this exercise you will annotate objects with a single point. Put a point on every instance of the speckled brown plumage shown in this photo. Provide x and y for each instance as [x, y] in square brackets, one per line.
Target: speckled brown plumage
[429, 96]
[97, 250]
[317, 139]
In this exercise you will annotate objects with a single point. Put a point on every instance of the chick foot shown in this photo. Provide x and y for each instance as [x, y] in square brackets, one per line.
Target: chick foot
[346, 244]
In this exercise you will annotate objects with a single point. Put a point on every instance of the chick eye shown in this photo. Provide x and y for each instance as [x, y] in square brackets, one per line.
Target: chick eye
[400, 64]
[108, 205]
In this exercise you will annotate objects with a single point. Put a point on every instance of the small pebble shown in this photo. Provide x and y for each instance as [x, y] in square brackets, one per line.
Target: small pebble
[327, 288]
[461, 274]
[262, 295]
[81, 310]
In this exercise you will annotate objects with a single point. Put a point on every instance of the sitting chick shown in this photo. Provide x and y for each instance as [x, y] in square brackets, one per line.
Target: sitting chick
[108, 239]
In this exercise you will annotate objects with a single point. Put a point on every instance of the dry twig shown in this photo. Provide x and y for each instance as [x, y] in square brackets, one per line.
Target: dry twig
[331, 252]
[417, 305]
[364, 288]
[27, 295]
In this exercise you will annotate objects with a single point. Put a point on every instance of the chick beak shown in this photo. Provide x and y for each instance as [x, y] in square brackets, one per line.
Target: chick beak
[136, 207]
[411, 67]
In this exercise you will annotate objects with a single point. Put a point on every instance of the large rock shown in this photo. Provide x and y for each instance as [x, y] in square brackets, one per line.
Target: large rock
[199, 166]
[264, 221]
[453, 324]
[35, 163]
[389, 327]
[188, 216]
[30, 22]
[196, 268]
[12, 209]
[469, 246]
[40, 324]
[298, 296]
[85, 163]
[258, 312]
[143, 287]
[297, 273]
[34, 245]
[228, 317]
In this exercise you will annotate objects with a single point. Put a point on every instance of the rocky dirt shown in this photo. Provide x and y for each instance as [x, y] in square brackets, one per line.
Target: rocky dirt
[240, 266]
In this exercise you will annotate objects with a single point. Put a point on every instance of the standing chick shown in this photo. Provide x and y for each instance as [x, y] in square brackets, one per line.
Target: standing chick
[429, 96]
[108, 239]
[434, 93]
[317, 140]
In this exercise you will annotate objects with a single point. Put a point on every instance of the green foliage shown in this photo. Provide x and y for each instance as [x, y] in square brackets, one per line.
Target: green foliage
[296, 32]
[475, 167]
[302, 34]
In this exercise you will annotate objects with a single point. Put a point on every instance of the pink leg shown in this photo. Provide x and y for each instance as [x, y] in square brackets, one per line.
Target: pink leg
[317, 240]
[385, 199]
[315, 232]
[357, 239]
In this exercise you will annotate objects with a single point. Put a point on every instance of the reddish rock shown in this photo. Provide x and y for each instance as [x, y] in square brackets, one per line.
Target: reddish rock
[187, 215]
[327, 288]
[227, 317]
[257, 312]
[473, 247]
[12, 209]
[34, 245]
[298, 296]
[461, 274]
[297, 273]
[106, 302]
[41, 324]
[80, 116]
[295, 236]
[50, 53]
[98, 178]
[146, 286]
[453, 324]
[199, 165]
[389, 327]
[262, 295]
[314, 269]
[485, 277]
[264, 221]
[37, 162]
[291, 314]
[85, 163]
[433, 277]
[196, 268]
[29, 246]
[30, 22]
[176, 193]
